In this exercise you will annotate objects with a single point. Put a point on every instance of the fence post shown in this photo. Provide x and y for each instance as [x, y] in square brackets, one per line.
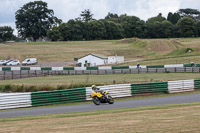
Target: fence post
[12, 75]
[20, 74]
[4, 75]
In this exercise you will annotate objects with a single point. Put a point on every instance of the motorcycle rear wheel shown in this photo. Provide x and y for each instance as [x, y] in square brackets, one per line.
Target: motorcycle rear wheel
[96, 101]
[110, 100]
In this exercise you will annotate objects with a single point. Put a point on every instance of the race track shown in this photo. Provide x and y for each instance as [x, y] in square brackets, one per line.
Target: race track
[91, 107]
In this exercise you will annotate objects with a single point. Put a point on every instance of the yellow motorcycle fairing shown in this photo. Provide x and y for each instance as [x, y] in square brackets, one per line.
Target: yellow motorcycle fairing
[98, 94]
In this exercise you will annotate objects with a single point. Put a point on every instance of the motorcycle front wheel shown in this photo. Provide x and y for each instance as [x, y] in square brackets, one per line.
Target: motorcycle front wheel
[110, 100]
[96, 101]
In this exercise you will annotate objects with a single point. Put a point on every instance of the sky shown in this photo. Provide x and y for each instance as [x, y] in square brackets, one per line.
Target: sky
[71, 9]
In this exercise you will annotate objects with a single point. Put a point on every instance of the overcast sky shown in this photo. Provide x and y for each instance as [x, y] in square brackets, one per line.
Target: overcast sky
[71, 9]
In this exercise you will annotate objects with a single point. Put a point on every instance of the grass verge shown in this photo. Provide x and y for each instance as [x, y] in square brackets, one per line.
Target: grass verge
[137, 97]
[75, 80]
[163, 118]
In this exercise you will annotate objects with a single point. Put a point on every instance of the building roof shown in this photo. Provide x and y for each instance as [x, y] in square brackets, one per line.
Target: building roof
[96, 55]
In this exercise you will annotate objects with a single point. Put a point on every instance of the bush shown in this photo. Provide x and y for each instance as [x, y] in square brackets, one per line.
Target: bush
[32, 88]
[7, 88]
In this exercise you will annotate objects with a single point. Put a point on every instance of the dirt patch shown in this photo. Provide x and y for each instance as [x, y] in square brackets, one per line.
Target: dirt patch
[161, 46]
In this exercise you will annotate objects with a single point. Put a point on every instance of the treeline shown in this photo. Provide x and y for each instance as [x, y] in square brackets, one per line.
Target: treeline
[183, 23]
[34, 20]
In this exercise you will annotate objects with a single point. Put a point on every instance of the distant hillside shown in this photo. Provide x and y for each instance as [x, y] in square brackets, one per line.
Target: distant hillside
[131, 48]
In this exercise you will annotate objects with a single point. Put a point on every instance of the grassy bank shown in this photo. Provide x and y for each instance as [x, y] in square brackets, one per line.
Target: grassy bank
[165, 118]
[75, 81]
[101, 79]
[132, 48]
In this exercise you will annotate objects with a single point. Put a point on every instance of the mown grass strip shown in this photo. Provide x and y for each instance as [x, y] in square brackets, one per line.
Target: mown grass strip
[98, 112]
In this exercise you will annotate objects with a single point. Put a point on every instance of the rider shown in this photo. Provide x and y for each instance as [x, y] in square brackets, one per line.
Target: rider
[94, 88]
[138, 65]
[192, 64]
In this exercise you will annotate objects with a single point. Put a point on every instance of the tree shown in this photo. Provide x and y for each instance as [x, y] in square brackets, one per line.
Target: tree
[113, 30]
[165, 29]
[64, 31]
[186, 27]
[6, 33]
[132, 25]
[75, 29]
[112, 17]
[86, 15]
[54, 34]
[158, 18]
[34, 19]
[189, 12]
[153, 29]
[174, 31]
[198, 28]
[97, 30]
[72, 30]
[173, 18]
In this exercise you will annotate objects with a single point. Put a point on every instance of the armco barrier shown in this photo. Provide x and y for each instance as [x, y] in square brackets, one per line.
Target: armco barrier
[25, 72]
[197, 84]
[149, 88]
[95, 68]
[181, 86]
[58, 96]
[35, 72]
[17, 100]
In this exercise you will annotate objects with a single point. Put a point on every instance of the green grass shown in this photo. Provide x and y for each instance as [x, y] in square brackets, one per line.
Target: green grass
[98, 112]
[101, 79]
[163, 60]
[131, 48]
[169, 118]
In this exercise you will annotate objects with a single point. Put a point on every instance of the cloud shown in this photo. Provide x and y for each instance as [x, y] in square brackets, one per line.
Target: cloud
[149, 8]
[12, 24]
[8, 9]
[71, 9]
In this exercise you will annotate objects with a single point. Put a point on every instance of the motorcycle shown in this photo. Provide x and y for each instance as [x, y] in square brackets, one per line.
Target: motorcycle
[101, 97]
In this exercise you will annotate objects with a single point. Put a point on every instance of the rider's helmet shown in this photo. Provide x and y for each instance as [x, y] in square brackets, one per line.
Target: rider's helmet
[93, 87]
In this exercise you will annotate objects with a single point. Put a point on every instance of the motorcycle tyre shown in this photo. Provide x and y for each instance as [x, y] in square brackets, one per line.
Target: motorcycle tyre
[96, 101]
[110, 100]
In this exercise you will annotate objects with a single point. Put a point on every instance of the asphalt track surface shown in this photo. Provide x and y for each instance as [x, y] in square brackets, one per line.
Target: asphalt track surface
[91, 107]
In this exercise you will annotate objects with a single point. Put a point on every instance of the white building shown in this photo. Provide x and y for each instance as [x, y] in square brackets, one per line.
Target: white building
[92, 60]
[115, 59]
[97, 59]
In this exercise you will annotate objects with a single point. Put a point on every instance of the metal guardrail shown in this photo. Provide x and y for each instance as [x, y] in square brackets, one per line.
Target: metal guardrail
[16, 74]
[18, 100]
[15, 100]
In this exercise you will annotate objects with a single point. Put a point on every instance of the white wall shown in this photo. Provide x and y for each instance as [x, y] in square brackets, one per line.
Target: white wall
[93, 60]
[115, 59]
